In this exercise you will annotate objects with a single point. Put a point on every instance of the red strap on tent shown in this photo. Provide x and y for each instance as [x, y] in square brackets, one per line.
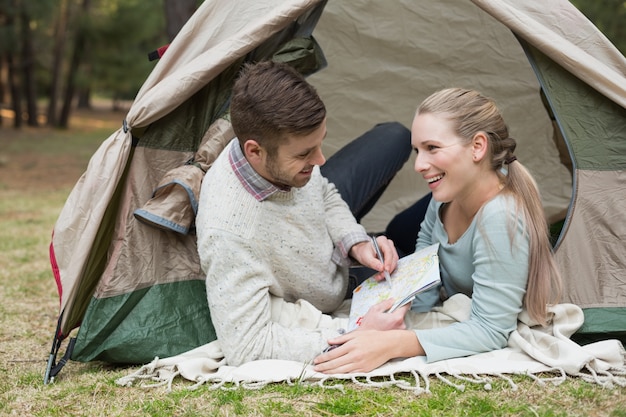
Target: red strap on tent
[158, 53]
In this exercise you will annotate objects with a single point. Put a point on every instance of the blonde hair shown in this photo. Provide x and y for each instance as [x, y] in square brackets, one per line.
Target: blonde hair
[470, 113]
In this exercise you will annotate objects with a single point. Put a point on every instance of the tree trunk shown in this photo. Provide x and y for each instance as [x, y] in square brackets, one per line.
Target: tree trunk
[14, 88]
[77, 56]
[1, 87]
[57, 61]
[28, 64]
[177, 12]
[12, 75]
[84, 98]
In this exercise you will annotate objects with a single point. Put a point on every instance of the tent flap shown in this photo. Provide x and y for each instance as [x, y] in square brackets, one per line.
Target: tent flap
[162, 320]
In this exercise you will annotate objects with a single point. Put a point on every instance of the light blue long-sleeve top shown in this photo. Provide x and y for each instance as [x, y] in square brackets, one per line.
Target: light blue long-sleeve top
[486, 265]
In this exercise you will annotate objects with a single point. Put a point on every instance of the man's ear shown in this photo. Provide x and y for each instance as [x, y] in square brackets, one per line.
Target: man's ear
[480, 145]
[253, 151]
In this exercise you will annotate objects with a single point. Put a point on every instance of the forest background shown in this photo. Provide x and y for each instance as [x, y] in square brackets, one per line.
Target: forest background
[56, 56]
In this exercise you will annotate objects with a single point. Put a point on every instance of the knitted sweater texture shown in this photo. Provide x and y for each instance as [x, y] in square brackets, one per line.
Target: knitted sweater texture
[254, 252]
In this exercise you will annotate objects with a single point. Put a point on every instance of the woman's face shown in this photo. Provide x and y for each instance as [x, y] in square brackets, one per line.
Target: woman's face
[443, 159]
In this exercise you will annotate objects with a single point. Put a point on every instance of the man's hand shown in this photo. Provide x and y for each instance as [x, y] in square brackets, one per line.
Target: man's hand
[365, 254]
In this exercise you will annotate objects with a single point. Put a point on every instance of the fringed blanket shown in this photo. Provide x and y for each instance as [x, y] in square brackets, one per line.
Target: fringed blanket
[545, 354]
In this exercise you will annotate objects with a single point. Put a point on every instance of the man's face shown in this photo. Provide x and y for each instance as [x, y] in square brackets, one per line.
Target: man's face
[293, 163]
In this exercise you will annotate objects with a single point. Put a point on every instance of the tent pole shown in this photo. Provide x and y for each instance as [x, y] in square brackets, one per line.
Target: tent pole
[53, 368]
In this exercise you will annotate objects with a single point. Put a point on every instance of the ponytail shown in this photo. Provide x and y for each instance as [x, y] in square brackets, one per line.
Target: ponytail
[544, 280]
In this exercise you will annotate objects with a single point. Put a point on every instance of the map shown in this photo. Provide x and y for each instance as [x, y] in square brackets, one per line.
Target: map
[415, 273]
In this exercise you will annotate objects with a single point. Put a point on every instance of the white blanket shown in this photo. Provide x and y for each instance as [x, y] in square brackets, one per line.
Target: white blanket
[545, 354]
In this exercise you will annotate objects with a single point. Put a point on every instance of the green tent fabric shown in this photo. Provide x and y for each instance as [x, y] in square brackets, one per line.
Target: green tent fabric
[595, 129]
[135, 291]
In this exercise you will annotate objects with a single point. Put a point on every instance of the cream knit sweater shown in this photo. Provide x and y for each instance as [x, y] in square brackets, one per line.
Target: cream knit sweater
[254, 252]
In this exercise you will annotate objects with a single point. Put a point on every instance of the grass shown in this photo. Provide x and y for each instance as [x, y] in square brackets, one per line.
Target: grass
[38, 168]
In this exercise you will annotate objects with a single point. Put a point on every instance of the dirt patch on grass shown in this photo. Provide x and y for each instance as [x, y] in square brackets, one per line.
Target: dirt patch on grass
[36, 172]
[37, 158]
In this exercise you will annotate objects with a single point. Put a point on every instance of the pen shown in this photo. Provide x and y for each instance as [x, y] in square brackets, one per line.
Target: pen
[380, 256]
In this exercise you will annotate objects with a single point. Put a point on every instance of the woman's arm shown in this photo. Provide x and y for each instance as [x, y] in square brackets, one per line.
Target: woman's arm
[497, 281]
[380, 337]
[364, 350]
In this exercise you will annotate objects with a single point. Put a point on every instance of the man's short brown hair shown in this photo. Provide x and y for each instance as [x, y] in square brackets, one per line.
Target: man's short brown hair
[271, 100]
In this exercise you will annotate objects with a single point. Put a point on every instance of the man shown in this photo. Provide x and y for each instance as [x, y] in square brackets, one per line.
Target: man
[275, 236]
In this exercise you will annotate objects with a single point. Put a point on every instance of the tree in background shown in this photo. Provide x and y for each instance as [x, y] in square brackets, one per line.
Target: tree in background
[119, 66]
[27, 60]
[57, 51]
[111, 42]
[9, 56]
[177, 12]
[76, 60]
[609, 16]
[59, 37]
[20, 30]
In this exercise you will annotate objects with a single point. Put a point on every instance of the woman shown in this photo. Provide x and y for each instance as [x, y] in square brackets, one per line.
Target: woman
[487, 216]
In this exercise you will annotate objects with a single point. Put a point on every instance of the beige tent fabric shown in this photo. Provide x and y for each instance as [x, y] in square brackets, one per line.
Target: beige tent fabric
[142, 256]
[384, 58]
[75, 228]
[574, 43]
[597, 215]
[228, 30]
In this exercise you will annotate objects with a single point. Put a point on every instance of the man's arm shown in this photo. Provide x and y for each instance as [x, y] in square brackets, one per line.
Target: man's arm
[241, 308]
[350, 238]
[340, 223]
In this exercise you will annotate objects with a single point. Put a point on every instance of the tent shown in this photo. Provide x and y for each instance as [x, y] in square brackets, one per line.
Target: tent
[124, 257]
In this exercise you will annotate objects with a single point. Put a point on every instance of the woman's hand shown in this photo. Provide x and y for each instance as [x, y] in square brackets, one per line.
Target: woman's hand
[377, 317]
[365, 254]
[380, 337]
[364, 350]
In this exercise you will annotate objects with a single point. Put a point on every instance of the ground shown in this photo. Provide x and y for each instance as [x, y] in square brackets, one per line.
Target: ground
[40, 158]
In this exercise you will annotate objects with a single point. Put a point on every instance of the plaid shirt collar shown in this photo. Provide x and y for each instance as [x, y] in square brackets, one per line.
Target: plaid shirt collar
[259, 187]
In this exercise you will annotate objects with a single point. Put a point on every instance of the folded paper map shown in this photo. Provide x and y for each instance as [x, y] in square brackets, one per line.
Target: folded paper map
[415, 273]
